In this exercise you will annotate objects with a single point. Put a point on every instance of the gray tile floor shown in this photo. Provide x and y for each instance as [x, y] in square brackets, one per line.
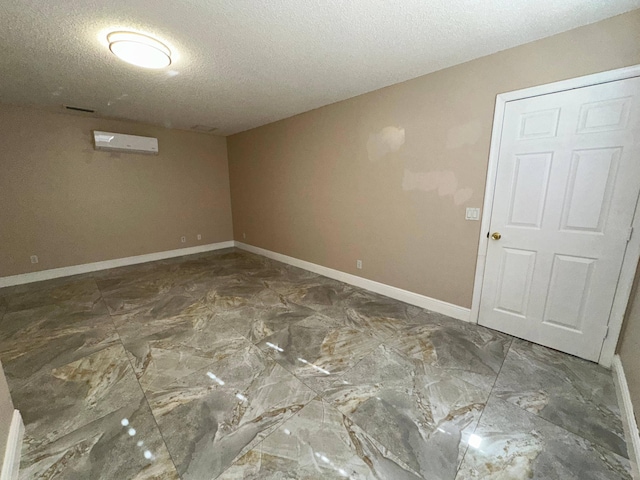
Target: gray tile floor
[229, 365]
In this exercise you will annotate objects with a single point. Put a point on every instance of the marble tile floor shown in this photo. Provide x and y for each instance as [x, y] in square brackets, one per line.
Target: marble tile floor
[229, 365]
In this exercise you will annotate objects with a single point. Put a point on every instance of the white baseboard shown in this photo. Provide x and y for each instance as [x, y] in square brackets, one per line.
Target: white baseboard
[628, 417]
[11, 459]
[406, 296]
[118, 262]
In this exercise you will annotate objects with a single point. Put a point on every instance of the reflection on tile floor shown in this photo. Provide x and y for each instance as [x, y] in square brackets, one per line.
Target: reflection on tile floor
[229, 365]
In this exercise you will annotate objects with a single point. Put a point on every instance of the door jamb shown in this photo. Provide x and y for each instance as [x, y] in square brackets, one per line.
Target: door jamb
[632, 253]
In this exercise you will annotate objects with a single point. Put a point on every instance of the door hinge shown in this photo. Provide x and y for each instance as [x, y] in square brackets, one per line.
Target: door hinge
[630, 234]
[606, 332]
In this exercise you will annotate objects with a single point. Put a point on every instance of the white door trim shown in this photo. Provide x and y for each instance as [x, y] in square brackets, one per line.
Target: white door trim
[632, 253]
[11, 459]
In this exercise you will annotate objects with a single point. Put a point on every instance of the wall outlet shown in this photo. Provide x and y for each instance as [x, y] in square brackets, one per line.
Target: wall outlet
[472, 214]
[244, 236]
[183, 239]
[34, 258]
[359, 264]
[199, 237]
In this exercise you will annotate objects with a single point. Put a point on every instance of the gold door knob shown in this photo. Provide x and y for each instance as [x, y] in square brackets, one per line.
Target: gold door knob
[496, 236]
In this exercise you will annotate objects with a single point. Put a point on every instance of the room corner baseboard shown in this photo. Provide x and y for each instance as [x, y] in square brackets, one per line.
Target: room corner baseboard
[104, 265]
[406, 296]
[628, 418]
[11, 460]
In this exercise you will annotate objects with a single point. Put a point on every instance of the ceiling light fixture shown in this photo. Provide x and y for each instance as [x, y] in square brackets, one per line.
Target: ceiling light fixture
[139, 49]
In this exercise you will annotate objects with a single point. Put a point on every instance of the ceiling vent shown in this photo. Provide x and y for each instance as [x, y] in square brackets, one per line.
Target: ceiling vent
[78, 109]
[203, 128]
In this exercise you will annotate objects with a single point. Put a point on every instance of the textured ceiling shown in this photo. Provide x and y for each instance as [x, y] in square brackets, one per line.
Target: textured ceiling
[244, 63]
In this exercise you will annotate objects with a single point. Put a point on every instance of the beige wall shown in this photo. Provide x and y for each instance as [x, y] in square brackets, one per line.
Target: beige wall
[629, 344]
[6, 414]
[327, 186]
[70, 204]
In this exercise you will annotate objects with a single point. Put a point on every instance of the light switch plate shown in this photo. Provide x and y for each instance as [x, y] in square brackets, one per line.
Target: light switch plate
[472, 214]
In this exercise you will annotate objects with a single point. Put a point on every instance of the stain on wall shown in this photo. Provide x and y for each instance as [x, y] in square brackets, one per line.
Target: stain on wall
[444, 183]
[385, 177]
[387, 140]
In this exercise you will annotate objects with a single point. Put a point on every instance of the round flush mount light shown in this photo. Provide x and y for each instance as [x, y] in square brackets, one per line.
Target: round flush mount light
[139, 49]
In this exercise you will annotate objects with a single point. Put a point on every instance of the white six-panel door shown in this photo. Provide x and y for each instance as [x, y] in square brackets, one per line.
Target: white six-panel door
[566, 188]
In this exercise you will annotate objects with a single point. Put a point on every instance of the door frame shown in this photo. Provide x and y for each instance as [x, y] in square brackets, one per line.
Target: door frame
[632, 253]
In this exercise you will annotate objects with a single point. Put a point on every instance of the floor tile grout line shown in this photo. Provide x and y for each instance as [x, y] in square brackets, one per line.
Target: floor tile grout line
[391, 451]
[464, 456]
[70, 362]
[324, 402]
[155, 421]
[84, 357]
[267, 436]
[58, 439]
[302, 380]
[316, 395]
[381, 341]
[323, 399]
[269, 357]
[552, 422]
[501, 365]
[319, 394]
[549, 423]
[144, 394]
[391, 347]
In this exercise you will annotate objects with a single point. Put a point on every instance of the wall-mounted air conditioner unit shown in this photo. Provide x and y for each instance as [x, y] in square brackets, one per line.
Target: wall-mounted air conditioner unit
[119, 142]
